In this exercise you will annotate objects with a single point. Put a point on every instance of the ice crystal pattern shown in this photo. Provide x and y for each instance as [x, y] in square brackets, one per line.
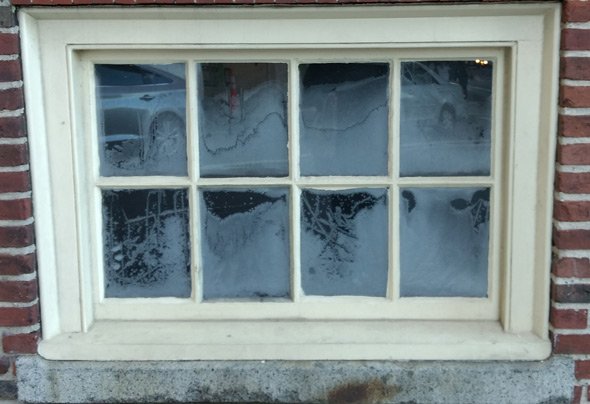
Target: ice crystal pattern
[146, 243]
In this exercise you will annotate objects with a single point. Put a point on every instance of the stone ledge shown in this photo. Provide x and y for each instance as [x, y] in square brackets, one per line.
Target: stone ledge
[549, 381]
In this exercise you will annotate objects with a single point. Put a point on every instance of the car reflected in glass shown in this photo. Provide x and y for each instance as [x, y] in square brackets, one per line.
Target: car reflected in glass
[141, 114]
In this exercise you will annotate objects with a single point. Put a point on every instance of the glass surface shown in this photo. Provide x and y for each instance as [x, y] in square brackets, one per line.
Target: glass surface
[445, 118]
[245, 243]
[444, 236]
[344, 117]
[146, 243]
[344, 242]
[243, 119]
[141, 119]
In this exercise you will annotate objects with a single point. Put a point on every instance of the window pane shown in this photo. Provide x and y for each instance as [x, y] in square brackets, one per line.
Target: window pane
[141, 119]
[243, 119]
[344, 118]
[444, 236]
[445, 118]
[344, 242]
[245, 243]
[146, 243]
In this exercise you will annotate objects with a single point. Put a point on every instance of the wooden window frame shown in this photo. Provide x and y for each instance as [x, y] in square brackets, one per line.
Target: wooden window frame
[59, 47]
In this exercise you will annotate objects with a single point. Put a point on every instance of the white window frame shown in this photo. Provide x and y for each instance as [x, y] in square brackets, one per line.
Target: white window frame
[59, 47]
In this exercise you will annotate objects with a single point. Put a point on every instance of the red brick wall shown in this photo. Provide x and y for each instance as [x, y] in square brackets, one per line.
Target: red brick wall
[19, 312]
[571, 269]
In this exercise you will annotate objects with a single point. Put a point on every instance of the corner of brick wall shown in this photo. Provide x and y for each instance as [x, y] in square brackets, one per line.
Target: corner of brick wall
[570, 293]
[19, 309]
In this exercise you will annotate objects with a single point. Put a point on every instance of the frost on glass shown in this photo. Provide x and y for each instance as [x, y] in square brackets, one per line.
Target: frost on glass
[243, 119]
[344, 242]
[445, 118]
[141, 119]
[344, 117]
[444, 236]
[245, 243]
[146, 243]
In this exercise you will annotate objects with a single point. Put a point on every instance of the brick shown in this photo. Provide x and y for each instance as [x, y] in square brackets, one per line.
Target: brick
[573, 154]
[573, 183]
[8, 390]
[13, 155]
[12, 99]
[13, 127]
[18, 291]
[574, 68]
[572, 211]
[9, 44]
[569, 318]
[17, 264]
[21, 236]
[19, 316]
[582, 369]
[574, 293]
[572, 239]
[575, 39]
[10, 70]
[571, 344]
[576, 11]
[18, 181]
[7, 18]
[577, 397]
[572, 267]
[574, 96]
[20, 343]
[574, 126]
[5, 365]
[16, 209]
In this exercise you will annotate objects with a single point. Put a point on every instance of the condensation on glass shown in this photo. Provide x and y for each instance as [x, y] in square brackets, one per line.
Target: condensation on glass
[344, 118]
[445, 117]
[245, 244]
[344, 242]
[243, 119]
[141, 113]
[444, 237]
[146, 243]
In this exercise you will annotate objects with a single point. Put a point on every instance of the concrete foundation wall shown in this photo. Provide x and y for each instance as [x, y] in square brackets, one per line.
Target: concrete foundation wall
[549, 381]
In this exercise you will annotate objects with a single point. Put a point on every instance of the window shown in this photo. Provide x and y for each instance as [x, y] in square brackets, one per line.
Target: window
[224, 191]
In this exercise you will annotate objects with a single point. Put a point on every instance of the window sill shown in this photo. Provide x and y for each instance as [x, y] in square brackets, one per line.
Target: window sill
[292, 340]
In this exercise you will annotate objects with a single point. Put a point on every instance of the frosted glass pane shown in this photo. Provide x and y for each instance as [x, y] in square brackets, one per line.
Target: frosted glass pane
[344, 118]
[344, 242]
[445, 118]
[141, 119]
[245, 243]
[146, 243]
[444, 236]
[243, 119]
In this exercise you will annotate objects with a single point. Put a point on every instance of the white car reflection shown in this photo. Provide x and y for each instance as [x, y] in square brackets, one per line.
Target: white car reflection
[427, 95]
[141, 116]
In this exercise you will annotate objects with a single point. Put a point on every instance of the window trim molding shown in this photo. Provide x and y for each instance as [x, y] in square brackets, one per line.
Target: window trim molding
[529, 31]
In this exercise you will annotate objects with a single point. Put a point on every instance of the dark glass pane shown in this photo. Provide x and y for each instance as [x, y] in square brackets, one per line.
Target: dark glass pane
[444, 235]
[344, 242]
[146, 243]
[141, 119]
[245, 243]
[344, 118]
[243, 119]
[445, 117]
